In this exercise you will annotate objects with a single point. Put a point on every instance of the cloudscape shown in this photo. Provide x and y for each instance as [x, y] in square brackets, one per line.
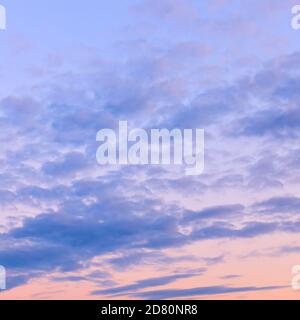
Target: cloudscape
[77, 228]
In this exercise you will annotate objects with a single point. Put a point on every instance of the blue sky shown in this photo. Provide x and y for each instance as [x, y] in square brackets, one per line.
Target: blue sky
[70, 227]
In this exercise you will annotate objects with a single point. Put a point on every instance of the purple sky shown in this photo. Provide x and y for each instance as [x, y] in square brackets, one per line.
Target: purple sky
[72, 228]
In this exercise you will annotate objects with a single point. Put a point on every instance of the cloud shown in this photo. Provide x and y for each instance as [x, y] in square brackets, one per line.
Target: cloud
[265, 123]
[176, 10]
[289, 249]
[231, 276]
[249, 230]
[72, 163]
[219, 212]
[64, 241]
[200, 291]
[82, 211]
[95, 276]
[144, 284]
[287, 205]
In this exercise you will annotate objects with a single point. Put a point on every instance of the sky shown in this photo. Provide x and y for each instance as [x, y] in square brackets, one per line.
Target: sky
[72, 229]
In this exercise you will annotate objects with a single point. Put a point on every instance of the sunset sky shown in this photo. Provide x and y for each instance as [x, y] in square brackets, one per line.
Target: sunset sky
[73, 229]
